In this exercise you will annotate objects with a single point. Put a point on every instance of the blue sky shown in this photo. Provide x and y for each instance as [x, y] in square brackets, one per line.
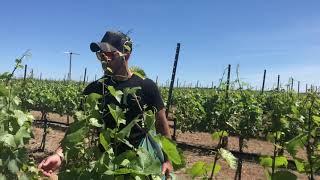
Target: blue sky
[282, 37]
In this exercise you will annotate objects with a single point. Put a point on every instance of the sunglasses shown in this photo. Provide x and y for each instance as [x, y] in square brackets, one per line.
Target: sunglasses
[100, 55]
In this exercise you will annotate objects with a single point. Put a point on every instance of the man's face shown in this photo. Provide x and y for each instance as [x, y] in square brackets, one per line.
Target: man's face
[113, 60]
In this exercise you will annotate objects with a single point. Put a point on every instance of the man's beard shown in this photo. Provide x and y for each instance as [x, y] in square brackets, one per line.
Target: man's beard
[114, 72]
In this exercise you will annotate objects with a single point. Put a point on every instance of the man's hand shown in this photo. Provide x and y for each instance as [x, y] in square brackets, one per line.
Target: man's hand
[50, 164]
[167, 168]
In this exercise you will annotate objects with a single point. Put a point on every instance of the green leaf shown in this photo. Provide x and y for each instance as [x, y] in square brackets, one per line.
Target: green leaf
[22, 133]
[129, 91]
[16, 100]
[18, 61]
[295, 111]
[171, 150]
[104, 140]
[229, 157]
[23, 176]
[22, 117]
[76, 136]
[117, 114]
[4, 91]
[293, 144]
[128, 155]
[12, 166]
[94, 122]
[197, 169]
[216, 170]
[147, 162]
[8, 140]
[92, 99]
[2, 177]
[280, 161]
[316, 120]
[125, 132]
[266, 161]
[116, 94]
[149, 120]
[219, 134]
[284, 175]
[299, 164]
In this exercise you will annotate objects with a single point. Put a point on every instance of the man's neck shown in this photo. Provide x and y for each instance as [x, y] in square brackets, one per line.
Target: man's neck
[121, 75]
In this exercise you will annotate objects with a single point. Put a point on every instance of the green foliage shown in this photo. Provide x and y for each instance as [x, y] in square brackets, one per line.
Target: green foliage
[113, 163]
[49, 96]
[169, 147]
[219, 134]
[15, 131]
[202, 169]
[280, 161]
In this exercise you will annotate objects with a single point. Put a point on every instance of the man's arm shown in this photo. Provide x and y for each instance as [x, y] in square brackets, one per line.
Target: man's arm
[162, 125]
[51, 163]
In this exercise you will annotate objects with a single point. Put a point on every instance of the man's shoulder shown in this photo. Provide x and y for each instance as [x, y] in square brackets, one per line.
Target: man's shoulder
[93, 87]
[143, 81]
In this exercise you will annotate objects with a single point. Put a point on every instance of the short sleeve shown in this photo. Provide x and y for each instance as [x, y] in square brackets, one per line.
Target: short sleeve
[153, 94]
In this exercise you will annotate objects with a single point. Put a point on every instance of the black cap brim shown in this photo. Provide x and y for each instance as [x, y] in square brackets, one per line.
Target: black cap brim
[102, 46]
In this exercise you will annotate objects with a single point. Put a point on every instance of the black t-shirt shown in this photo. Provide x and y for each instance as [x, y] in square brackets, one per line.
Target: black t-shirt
[148, 96]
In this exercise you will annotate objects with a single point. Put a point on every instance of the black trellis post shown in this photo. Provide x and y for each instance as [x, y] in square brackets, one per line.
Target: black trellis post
[25, 73]
[264, 80]
[228, 81]
[84, 77]
[171, 88]
[278, 84]
[298, 87]
[177, 82]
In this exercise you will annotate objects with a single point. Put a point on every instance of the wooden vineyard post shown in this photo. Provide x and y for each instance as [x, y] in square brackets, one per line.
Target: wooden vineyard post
[264, 80]
[298, 87]
[171, 88]
[306, 88]
[291, 84]
[157, 80]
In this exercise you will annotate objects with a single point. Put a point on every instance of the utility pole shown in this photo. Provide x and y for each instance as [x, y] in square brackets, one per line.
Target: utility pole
[70, 59]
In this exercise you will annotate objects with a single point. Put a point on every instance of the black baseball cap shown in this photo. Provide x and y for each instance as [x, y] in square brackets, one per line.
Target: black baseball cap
[113, 41]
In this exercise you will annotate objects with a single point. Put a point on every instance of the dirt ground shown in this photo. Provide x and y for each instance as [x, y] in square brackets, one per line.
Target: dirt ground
[250, 170]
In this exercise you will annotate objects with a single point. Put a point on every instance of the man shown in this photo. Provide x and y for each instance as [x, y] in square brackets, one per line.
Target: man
[114, 52]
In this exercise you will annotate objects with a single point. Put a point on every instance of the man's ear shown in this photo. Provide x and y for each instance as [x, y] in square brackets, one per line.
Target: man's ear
[127, 55]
